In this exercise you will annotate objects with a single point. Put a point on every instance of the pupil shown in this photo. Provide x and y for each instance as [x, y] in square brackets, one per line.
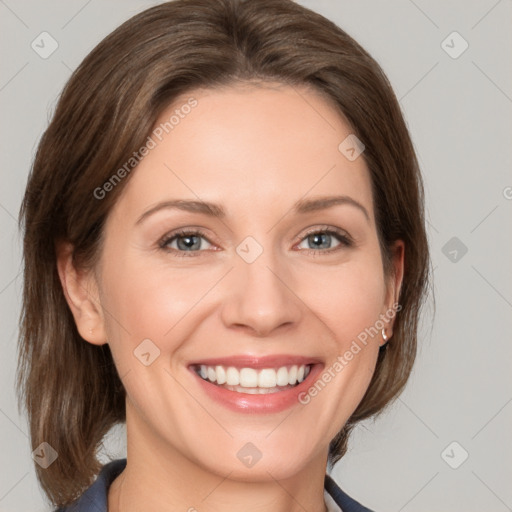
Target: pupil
[318, 237]
[185, 240]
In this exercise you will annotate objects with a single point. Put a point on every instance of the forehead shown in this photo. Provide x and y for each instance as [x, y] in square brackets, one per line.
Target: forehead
[247, 147]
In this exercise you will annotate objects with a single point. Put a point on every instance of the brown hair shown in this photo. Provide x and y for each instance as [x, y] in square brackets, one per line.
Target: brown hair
[70, 388]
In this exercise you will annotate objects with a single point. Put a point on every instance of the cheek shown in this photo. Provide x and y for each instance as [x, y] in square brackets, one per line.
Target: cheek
[348, 299]
[349, 307]
[152, 301]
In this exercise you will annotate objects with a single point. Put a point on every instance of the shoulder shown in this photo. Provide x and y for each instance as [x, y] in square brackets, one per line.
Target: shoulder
[343, 500]
[94, 499]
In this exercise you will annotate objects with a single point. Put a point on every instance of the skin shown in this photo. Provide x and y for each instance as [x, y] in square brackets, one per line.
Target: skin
[256, 150]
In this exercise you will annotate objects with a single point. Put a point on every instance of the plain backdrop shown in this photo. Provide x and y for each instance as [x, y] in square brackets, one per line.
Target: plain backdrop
[445, 444]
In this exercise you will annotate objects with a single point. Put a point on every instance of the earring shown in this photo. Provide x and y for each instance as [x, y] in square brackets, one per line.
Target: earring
[384, 335]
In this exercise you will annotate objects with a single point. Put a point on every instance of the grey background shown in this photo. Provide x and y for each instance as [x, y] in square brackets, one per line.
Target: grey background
[459, 113]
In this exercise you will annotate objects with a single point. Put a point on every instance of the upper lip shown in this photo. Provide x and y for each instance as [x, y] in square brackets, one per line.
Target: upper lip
[253, 361]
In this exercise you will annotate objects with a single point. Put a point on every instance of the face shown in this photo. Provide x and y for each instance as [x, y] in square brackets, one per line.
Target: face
[264, 286]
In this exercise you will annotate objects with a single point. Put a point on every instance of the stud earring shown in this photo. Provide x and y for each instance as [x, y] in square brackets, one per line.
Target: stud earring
[384, 335]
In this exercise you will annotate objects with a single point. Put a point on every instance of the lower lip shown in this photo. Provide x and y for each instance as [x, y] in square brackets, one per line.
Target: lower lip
[258, 404]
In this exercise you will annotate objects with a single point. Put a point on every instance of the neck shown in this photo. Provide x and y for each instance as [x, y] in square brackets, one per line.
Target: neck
[160, 478]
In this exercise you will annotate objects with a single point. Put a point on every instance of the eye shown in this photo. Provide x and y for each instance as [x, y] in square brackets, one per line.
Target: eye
[184, 242]
[321, 240]
[188, 242]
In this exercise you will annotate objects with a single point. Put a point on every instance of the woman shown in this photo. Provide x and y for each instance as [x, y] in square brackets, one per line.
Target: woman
[224, 248]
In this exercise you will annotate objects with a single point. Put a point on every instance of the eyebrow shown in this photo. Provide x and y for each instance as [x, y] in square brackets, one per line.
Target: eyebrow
[214, 210]
[322, 203]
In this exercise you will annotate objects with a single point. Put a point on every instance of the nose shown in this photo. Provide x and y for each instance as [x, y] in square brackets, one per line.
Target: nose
[260, 297]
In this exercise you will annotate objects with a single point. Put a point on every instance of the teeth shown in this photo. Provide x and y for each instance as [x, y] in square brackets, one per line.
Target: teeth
[256, 391]
[255, 381]
[282, 376]
[248, 378]
[267, 378]
[212, 374]
[292, 375]
[221, 374]
[232, 376]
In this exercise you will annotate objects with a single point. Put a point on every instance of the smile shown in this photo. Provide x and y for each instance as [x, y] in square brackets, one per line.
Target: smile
[256, 384]
[254, 381]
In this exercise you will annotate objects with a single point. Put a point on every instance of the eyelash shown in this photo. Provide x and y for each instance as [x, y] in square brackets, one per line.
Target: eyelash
[343, 238]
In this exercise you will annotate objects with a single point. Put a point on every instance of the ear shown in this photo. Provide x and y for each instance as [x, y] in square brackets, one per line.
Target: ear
[394, 282]
[81, 292]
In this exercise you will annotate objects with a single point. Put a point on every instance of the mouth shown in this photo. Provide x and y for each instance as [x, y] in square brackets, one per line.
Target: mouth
[254, 381]
[250, 384]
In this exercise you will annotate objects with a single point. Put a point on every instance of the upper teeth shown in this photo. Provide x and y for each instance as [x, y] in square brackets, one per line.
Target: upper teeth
[250, 377]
